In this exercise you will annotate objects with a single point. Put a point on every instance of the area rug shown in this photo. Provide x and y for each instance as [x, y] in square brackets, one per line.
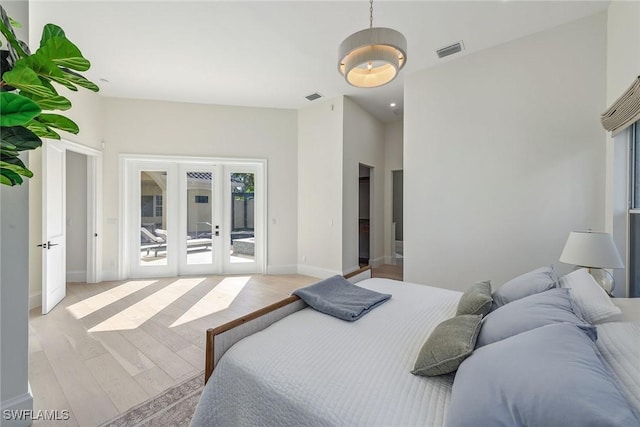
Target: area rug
[173, 408]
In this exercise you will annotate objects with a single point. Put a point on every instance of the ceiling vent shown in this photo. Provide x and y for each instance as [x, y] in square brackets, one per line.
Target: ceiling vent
[450, 50]
[313, 96]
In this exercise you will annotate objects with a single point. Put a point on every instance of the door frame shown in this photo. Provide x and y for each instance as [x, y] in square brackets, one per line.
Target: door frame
[94, 209]
[127, 162]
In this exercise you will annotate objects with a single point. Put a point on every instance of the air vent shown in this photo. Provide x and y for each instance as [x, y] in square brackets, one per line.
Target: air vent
[313, 96]
[450, 50]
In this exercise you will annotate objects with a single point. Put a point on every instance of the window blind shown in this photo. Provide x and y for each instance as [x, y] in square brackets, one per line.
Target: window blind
[625, 111]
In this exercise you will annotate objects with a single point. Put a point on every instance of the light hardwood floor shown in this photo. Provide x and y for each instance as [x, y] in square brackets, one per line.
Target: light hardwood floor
[110, 346]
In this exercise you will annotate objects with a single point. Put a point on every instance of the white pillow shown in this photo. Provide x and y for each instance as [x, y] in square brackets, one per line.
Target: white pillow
[592, 301]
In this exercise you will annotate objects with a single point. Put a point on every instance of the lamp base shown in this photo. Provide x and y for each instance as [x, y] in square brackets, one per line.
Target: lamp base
[604, 279]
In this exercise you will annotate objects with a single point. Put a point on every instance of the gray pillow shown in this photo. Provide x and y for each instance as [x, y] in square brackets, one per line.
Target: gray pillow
[545, 308]
[549, 376]
[533, 282]
[476, 300]
[449, 344]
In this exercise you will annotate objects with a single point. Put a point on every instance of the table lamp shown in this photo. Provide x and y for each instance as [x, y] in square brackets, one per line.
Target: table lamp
[594, 251]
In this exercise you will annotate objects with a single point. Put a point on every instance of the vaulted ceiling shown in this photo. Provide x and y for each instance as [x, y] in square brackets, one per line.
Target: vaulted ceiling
[273, 54]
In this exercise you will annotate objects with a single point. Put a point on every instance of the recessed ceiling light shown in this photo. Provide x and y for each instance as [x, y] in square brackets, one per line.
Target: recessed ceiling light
[393, 104]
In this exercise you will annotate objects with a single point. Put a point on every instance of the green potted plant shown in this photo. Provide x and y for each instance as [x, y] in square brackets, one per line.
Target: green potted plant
[27, 93]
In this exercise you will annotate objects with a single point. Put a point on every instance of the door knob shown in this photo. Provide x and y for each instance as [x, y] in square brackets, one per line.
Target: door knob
[47, 245]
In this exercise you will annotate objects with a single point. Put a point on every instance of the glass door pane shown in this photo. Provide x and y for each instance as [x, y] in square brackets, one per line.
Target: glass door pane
[242, 217]
[200, 229]
[153, 218]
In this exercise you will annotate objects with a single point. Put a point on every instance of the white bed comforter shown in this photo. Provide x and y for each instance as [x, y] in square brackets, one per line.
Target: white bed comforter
[619, 344]
[310, 369]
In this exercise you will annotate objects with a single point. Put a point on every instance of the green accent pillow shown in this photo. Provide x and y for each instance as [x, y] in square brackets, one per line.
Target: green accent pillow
[476, 300]
[449, 344]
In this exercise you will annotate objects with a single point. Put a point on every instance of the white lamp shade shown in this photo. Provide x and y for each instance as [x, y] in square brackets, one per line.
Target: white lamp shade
[372, 57]
[589, 249]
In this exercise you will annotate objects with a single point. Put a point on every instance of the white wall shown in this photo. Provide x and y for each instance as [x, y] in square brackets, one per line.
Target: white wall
[15, 393]
[76, 217]
[504, 156]
[168, 128]
[623, 66]
[320, 188]
[363, 142]
[393, 147]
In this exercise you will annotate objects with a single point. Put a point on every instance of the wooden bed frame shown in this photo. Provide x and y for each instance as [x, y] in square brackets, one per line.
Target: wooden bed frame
[220, 339]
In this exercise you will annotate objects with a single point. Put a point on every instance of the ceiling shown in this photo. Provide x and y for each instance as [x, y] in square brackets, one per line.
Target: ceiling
[273, 54]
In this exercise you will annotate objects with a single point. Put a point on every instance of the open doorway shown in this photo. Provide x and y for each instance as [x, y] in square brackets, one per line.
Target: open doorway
[76, 217]
[364, 215]
[397, 214]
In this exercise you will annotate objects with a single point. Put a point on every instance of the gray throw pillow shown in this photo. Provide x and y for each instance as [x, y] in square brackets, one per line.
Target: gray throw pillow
[449, 344]
[476, 300]
[533, 282]
[534, 311]
[551, 376]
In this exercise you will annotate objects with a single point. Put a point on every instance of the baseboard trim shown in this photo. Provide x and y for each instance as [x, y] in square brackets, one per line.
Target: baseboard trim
[321, 273]
[76, 276]
[23, 404]
[35, 300]
[282, 269]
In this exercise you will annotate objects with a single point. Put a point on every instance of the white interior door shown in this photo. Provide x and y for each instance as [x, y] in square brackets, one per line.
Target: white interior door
[54, 287]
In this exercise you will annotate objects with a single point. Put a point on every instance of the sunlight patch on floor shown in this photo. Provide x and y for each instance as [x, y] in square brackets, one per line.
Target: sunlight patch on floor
[218, 299]
[103, 299]
[134, 316]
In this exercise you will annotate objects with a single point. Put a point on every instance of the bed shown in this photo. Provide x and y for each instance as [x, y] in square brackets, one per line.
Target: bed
[302, 367]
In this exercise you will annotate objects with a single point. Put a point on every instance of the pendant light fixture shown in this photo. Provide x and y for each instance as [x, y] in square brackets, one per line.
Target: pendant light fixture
[372, 57]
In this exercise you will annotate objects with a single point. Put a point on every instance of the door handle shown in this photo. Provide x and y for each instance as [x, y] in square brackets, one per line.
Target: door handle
[47, 245]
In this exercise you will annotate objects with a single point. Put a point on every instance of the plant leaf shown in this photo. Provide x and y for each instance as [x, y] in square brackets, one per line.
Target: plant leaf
[19, 137]
[42, 130]
[9, 177]
[12, 173]
[64, 53]
[24, 78]
[64, 82]
[16, 48]
[54, 103]
[80, 80]
[4, 180]
[14, 23]
[17, 110]
[42, 65]
[14, 161]
[58, 121]
[50, 31]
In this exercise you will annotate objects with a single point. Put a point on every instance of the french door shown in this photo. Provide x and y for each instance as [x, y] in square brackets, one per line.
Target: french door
[194, 216]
